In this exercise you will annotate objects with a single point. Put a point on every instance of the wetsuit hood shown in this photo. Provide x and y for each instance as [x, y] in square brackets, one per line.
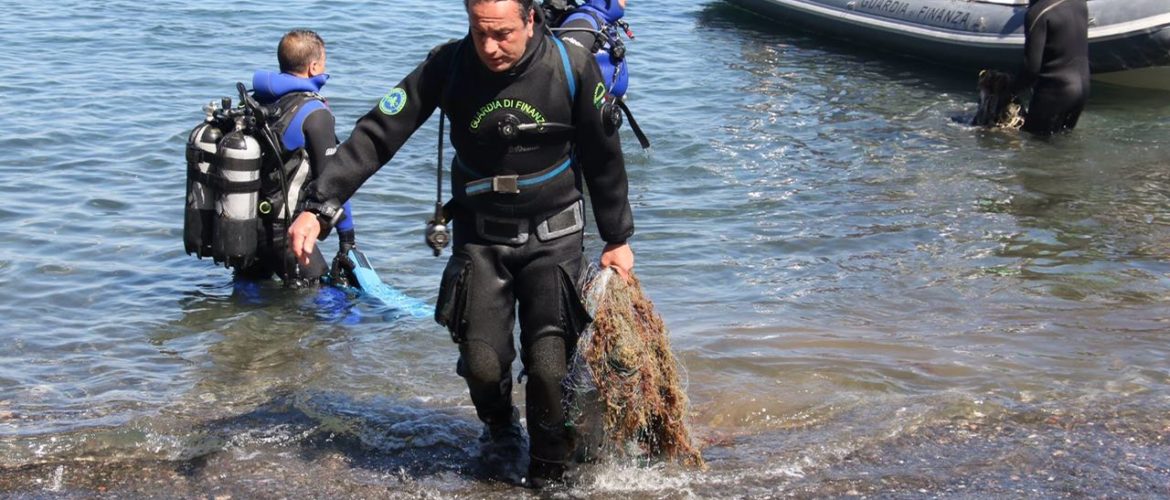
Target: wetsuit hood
[270, 86]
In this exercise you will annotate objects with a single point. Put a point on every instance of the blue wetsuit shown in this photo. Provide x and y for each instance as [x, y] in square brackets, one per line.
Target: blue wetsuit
[305, 132]
[582, 28]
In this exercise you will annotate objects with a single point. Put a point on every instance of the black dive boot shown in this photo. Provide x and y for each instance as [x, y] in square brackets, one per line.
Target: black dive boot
[502, 449]
[550, 455]
[542, 474]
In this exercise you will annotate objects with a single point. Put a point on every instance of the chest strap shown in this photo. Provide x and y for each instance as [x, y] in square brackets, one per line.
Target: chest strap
[508, 184]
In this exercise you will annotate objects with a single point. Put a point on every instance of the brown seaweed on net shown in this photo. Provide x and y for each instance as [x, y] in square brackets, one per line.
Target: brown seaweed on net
[626, 370]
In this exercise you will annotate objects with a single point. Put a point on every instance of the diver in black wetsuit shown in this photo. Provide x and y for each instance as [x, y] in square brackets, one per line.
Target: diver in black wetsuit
[527, 127]
[1056, 64]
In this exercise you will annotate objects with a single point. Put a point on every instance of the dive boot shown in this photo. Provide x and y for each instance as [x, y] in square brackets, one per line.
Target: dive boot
[552, 450]
[542, 474]
[502, 449]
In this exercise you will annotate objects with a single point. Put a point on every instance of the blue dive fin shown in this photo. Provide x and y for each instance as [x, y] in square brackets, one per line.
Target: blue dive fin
[372, 286]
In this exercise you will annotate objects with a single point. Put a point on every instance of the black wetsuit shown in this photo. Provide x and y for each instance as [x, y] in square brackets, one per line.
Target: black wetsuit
[1056, 64]
[316, 136]
[581, 33]
[509, 248]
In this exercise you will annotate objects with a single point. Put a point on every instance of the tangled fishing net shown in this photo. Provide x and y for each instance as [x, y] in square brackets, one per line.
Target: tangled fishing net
[998, 108]
[625, 396]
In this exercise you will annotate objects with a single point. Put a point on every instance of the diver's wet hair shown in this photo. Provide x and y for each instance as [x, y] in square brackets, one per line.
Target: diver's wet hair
[526, 6]
[297, 49]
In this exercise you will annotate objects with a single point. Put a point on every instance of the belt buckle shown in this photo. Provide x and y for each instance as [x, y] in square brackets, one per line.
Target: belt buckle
[507, 184]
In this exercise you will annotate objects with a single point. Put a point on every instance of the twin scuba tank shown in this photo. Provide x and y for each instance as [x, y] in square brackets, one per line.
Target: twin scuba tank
[224, 161]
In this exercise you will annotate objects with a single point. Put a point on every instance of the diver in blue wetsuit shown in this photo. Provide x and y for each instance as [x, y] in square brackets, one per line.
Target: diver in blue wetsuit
[1056, 64]
[304, 128]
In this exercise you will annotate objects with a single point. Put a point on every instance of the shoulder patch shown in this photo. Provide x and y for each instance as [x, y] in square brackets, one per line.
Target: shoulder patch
[393, 102]
[598, 95]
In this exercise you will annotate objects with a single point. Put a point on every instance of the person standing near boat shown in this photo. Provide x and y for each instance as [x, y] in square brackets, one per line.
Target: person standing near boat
[529, 137]
[1056, 64]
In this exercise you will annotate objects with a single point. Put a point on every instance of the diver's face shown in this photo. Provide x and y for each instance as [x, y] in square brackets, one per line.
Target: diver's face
[500, 32]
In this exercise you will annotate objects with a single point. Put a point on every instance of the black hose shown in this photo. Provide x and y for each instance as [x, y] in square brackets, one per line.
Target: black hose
[439, 172]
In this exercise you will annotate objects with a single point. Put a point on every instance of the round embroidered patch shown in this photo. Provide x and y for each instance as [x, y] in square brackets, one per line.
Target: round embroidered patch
[393, 102]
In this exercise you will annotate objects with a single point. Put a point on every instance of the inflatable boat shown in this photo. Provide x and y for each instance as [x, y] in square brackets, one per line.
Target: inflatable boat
[1124, 35]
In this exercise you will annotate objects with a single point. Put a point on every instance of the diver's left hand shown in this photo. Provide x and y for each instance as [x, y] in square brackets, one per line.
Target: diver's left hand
[620, 257]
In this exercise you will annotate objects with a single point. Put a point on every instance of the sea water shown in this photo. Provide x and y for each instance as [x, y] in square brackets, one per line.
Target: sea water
[868, 298]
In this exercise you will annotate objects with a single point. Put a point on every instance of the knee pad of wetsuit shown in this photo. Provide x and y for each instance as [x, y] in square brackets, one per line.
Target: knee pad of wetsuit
[480, 364]
[547, 363]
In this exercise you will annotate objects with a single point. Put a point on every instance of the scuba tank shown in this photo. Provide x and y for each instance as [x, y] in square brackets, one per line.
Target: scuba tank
[237, 169]
[199, 213]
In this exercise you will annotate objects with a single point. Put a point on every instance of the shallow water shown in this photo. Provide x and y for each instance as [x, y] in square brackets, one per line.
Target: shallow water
[868, 298]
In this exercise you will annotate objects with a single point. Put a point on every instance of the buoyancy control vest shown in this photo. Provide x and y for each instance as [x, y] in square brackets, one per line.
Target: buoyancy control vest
[604, 18]
[245, 163]
[290, 100]
[286, 176]
[508, 131]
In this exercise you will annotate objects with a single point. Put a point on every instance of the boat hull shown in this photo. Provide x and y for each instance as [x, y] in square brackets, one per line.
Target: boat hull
[1153, 77]
[1125, 34]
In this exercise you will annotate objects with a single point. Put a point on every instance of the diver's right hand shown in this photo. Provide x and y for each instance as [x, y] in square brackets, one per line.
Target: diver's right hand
[620, 257]
[302, 236]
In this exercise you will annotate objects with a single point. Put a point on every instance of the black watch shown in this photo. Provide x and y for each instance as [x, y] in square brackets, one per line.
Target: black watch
[329, 213]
